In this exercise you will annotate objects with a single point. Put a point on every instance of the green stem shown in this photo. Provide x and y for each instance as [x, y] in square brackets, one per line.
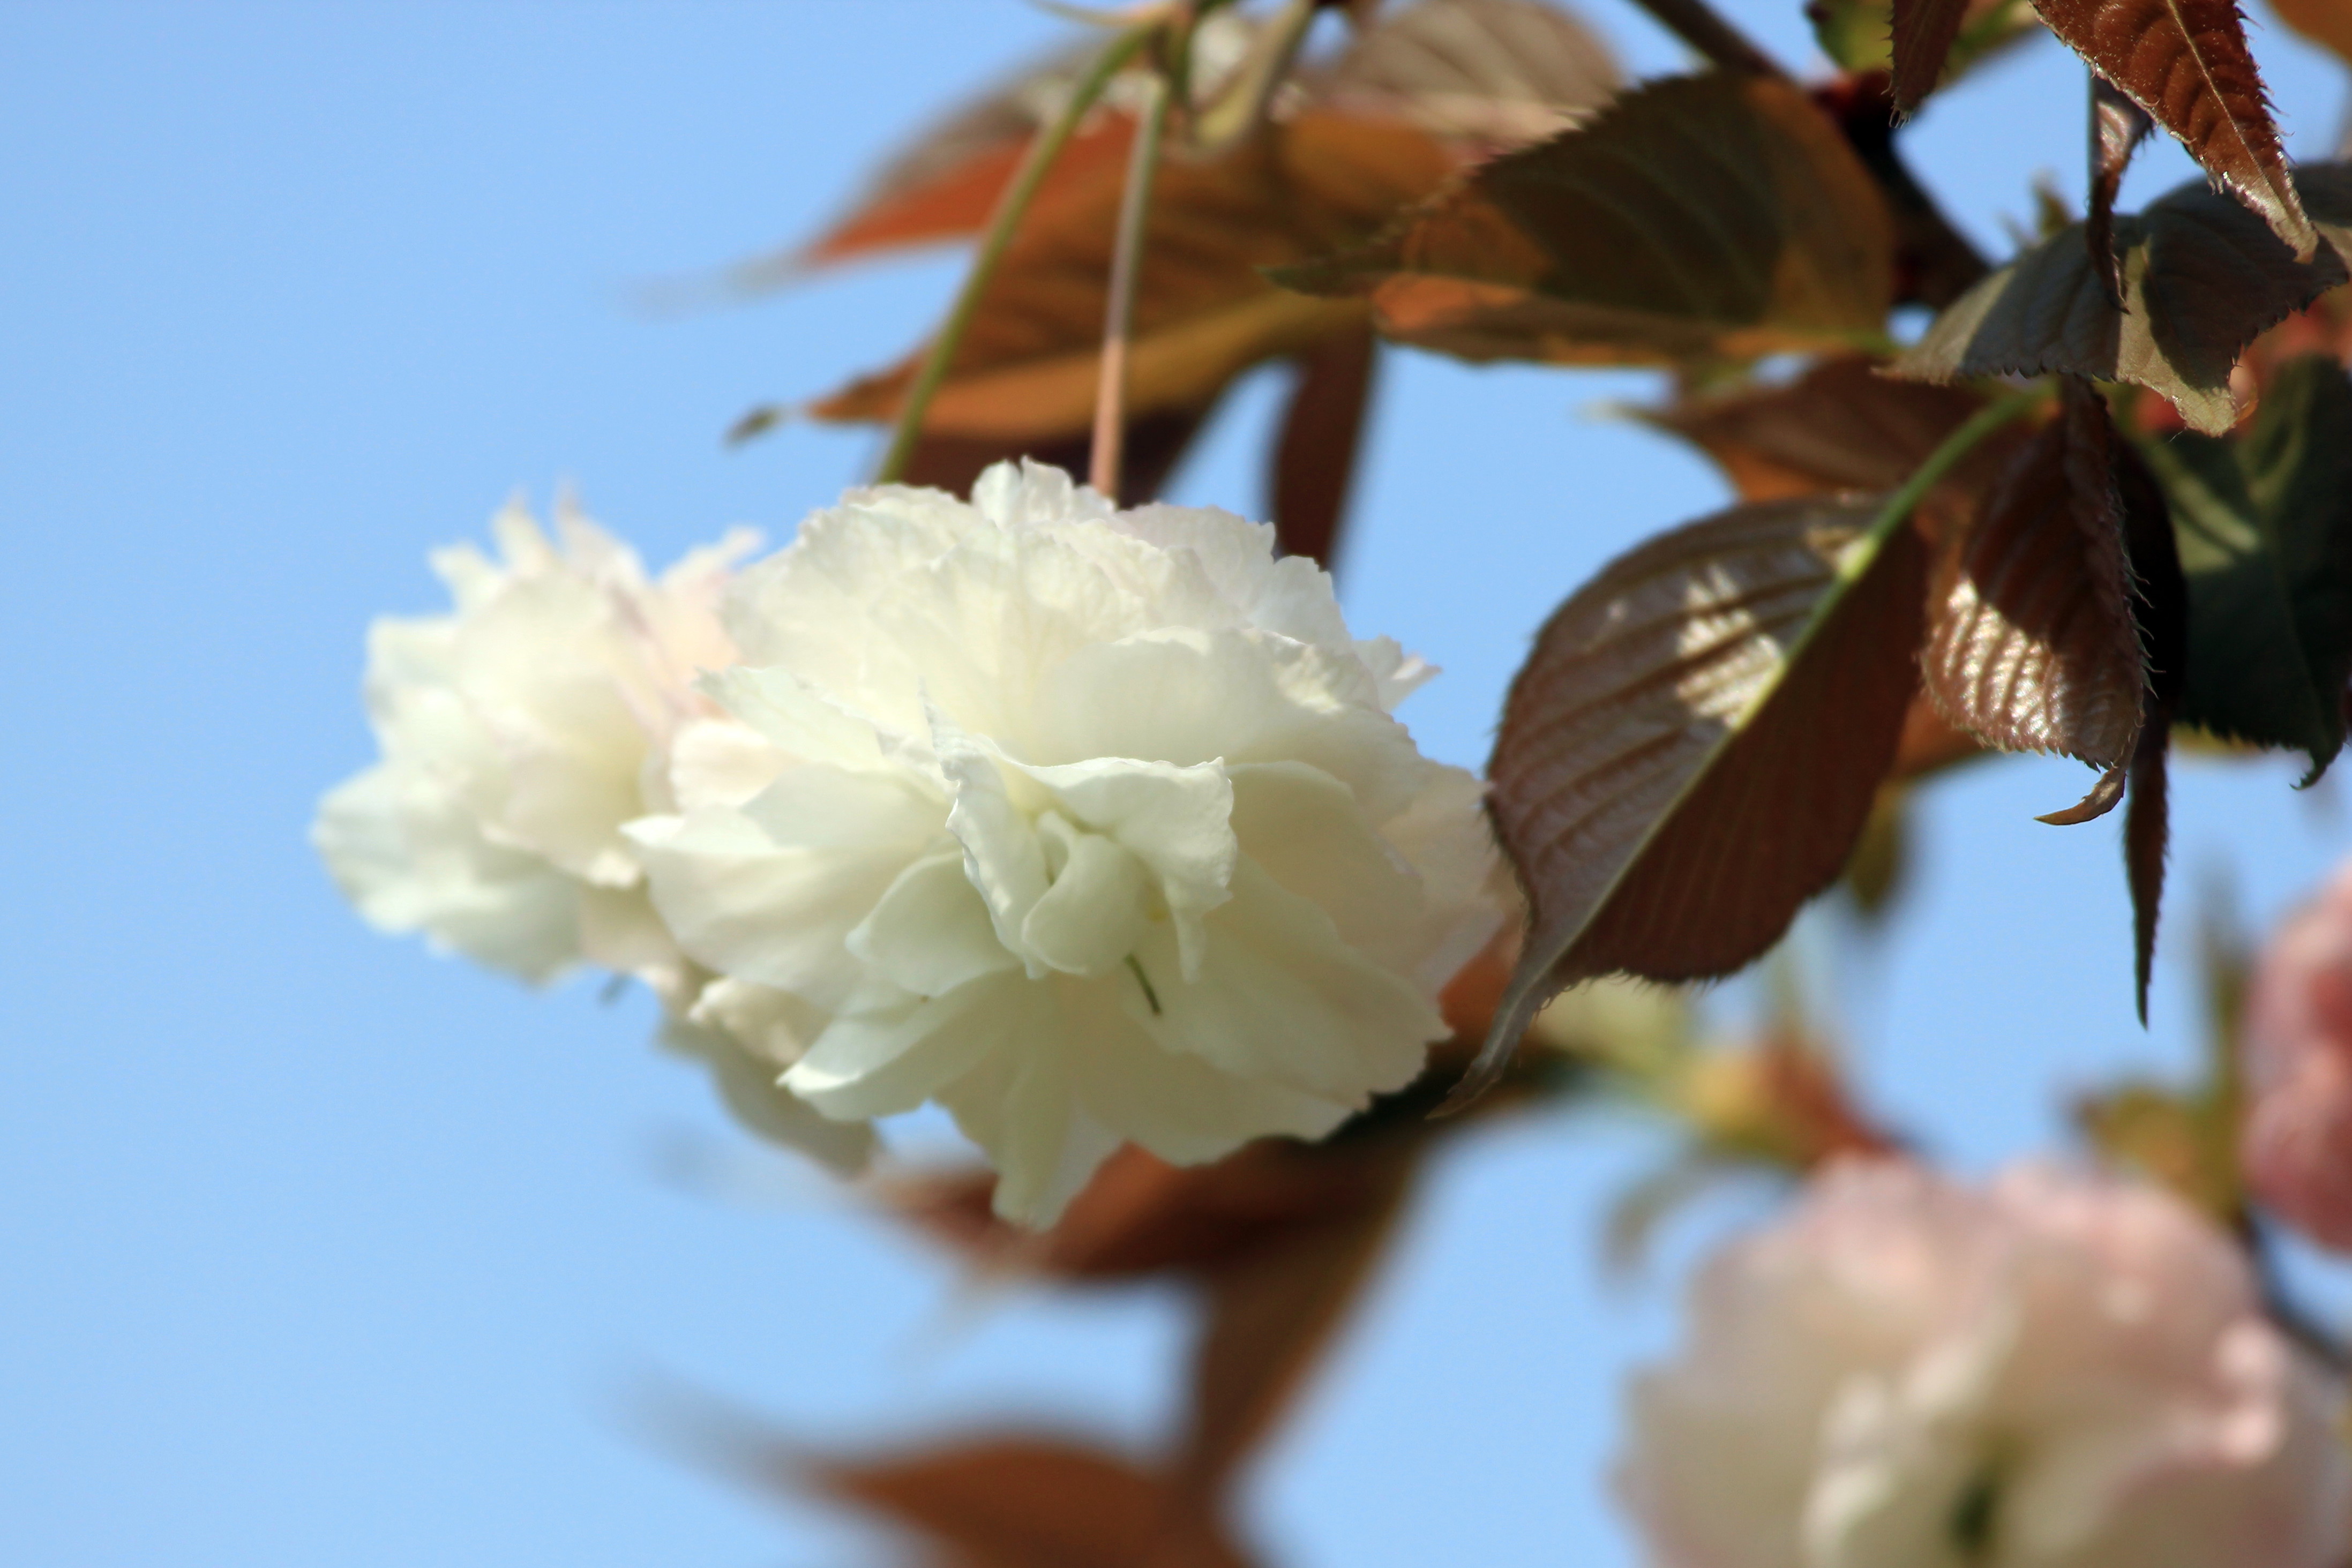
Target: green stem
[1126, 264]
[1940, 462]
[1010, 207]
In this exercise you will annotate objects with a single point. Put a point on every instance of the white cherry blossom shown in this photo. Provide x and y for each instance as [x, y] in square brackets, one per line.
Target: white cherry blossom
[518, 734]
[2062, 1371]
[1091, 826]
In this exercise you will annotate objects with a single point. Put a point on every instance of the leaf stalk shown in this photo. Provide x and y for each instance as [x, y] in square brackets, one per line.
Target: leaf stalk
[1126, 266]
[1940, 462]
[1011, 207]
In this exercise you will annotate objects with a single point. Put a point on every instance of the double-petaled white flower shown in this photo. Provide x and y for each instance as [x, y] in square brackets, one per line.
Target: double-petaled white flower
[2059, 1372]
[518, 734]
[1091, 826]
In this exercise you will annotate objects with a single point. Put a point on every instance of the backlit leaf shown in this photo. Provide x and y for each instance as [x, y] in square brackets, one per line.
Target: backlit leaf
[1714, 214]
[1421, 91]
[1841, 425]
[1489, 74]
[2187, 64]
[1026, 368]
[2264, 527]
[2201, 278]
[1691, 749]
[2030, 643]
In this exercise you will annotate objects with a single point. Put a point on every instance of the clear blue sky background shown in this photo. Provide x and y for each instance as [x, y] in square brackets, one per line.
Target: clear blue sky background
[314, 1249]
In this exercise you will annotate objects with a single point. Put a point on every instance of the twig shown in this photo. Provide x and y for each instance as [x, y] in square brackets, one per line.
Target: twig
[1695, 23]
[1010, 207]
[1125, 263]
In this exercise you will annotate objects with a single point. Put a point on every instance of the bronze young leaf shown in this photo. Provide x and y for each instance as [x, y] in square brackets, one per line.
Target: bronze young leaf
[1486, 75]
[1718, 214]
[2160, 608]
[1024, 1501]
[1314, 447]
[1426, 87]
[2186, 62]
[2265, 524]
[1841, 425]
[1923, 31]
[2201, 277]
[2031, 644]
[2328, 22]
[1691, 750]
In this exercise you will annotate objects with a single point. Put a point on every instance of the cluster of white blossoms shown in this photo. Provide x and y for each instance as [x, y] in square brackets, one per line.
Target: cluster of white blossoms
[1091, 826]
[2060, 1371]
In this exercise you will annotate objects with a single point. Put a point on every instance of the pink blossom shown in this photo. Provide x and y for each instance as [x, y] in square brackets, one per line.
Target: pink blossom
[2059, 1371]
[2298, 1063]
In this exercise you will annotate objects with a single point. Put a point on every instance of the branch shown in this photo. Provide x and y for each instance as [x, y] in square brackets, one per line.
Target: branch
[1695, 23]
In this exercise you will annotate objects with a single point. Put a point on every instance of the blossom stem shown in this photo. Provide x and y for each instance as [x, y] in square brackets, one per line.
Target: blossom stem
[1011, 207]
[1126, 264]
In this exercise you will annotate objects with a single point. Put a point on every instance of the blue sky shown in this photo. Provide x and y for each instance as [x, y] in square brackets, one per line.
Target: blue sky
[319, 1250]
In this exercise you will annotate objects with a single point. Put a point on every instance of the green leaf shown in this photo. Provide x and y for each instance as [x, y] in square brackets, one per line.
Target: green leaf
[2201, 278]
[1715, 215]
[2265, 524]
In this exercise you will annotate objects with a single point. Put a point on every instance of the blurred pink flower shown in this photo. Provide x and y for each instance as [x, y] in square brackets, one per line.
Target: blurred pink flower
[2059, 1371]
[2298, 1063]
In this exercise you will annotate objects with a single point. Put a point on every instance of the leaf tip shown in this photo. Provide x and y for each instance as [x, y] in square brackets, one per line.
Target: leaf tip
[2101, 800]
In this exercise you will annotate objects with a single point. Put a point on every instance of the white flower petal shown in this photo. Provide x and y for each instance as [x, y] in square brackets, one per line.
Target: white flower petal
[931, 933]
[1092, 914]
[1280, 998]
[770, 892]
[1176, 820]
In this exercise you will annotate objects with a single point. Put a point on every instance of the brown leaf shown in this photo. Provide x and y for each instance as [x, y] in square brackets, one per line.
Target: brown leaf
[1930, 742]
[1717, 214]
[2030, 643]
[1033, 1502]
[2187, 64]
[1025, 370]
[2328, 22]
[1690, 751]
[1923, 31]
[1425, 87]
[945, 181]
[1841, 425]
[1270, 1315]
[2118, 128]
[2160, 611]
[1487, 74]
[1314, 458]
[2201, 278]
[2147, 835]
